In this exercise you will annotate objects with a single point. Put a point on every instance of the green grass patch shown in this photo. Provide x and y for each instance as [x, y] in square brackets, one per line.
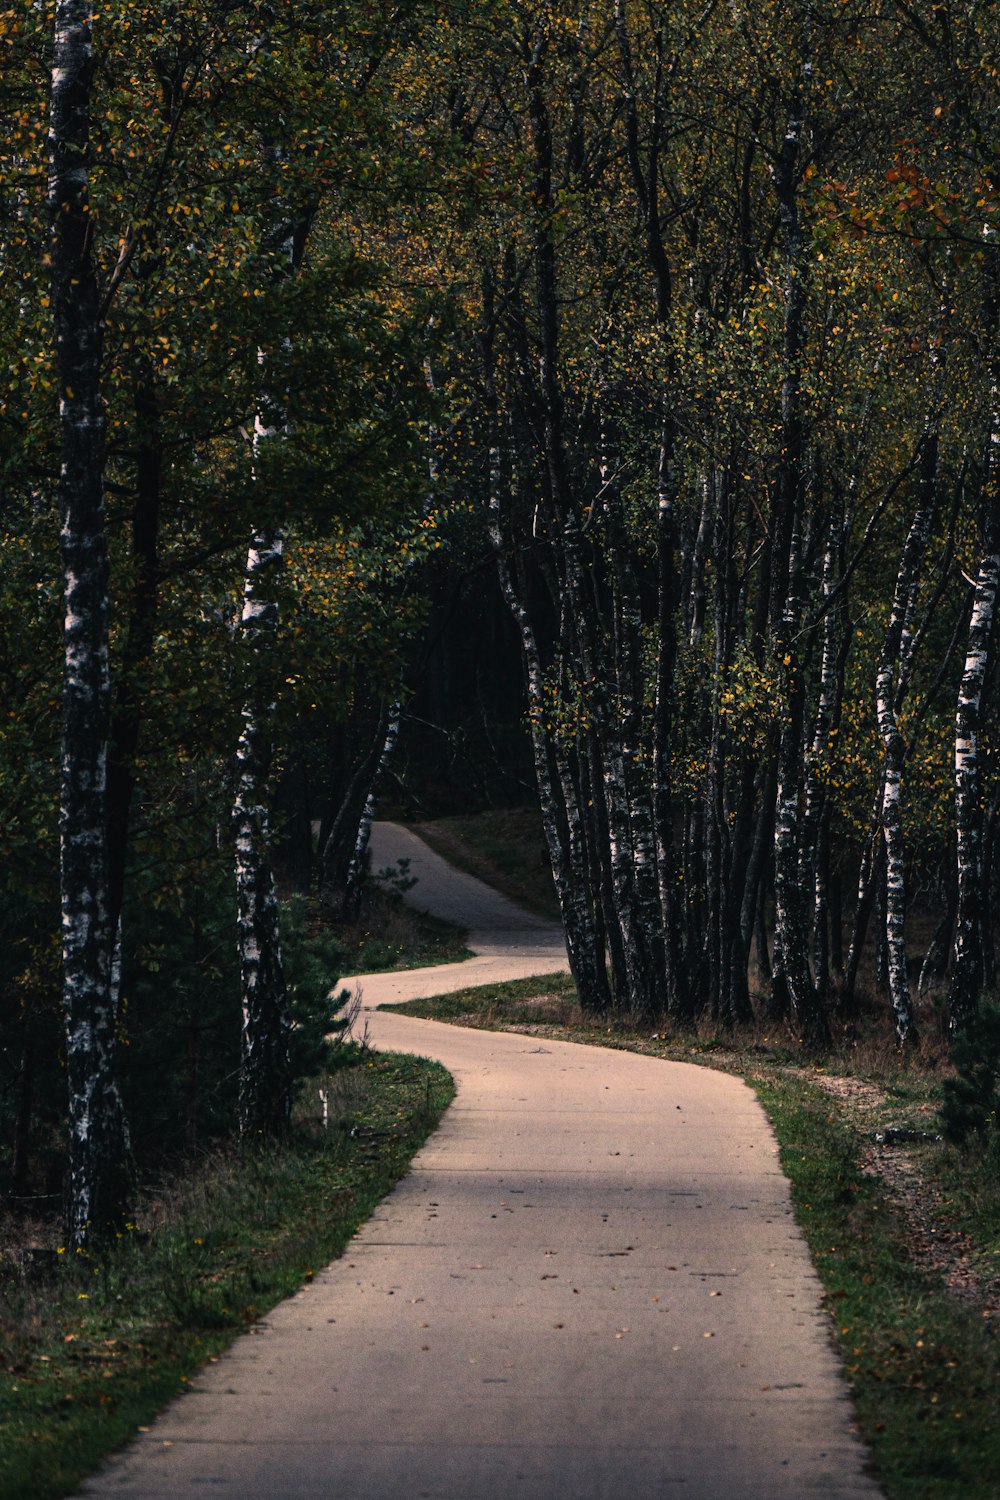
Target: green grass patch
[505, 847]
[969, 1179]
[548, 999]
[925, 1370]
[391, 935]
[93, 1349]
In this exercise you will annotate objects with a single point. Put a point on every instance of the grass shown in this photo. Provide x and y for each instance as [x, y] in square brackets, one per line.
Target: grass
[391, 935]
[924, 1367]
[969, 1178]
[505, 847]
[93, 1349]
[548, 999]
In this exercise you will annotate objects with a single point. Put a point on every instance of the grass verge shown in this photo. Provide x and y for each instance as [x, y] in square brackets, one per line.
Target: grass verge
[925, 1370]
[505, 847]
[93, 1349]
[924, 1366]
[391, 935]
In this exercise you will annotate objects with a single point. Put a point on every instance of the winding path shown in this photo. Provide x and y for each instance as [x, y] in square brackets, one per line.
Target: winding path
[589, 1287]
[509, 943]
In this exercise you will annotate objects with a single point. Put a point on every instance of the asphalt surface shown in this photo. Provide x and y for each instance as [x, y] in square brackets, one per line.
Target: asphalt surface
[508, 941]
[590, 1286]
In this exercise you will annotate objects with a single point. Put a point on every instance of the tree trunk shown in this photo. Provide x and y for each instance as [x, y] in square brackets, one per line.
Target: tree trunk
[265, 1104]
[967, 978]
[265, 1096]
[127, 713]
[339, 831]
[894, 659]
[356, 868]
[792, 987]
[99, 1177]
[24, 1109]
[558, 799]
[678, 990]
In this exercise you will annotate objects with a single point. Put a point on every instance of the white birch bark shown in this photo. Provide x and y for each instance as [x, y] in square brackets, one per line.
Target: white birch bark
[967, 979]
[812, 844]
[894, 662]
[265, 1084]
[627, 792]
[678, 990]
[567, 859]
[792, 984]
[564, 834]
[356, 868]
[99, 1186]
[265, 1076]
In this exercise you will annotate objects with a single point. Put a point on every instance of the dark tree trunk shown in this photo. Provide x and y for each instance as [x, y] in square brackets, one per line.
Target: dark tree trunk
[968, 975]
[836, 927]
[99, 1176]
[338, 835]
[869, 872]
[935, 964]
[889, 687]
[356, 868]
[265, 1104]
[127, 714]
[793, 990]
[24, 1110]
[565, 836]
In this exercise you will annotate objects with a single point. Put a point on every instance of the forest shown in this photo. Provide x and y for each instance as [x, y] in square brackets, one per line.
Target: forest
[648, 349]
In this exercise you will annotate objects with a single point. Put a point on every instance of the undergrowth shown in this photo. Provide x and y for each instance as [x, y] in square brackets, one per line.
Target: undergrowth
[389, 934]
[925, 1369]
[93, 1348]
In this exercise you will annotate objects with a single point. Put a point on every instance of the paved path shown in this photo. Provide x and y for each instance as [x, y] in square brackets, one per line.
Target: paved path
[509, 942]
[589, 1287]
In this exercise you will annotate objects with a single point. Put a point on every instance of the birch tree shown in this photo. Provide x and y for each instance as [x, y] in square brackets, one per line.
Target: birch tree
[265, 1076]
[971, 914]
[99, 1185]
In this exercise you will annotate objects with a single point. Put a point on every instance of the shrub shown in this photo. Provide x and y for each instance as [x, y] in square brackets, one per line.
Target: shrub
[971, 1102]
[321, 1017]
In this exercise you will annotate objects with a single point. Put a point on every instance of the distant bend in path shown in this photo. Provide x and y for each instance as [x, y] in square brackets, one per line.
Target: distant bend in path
[508, 941]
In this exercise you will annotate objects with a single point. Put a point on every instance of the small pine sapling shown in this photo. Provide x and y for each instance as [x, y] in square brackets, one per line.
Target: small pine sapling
[971, 1101]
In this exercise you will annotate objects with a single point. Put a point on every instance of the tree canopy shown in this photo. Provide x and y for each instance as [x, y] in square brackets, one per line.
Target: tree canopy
[681, 318]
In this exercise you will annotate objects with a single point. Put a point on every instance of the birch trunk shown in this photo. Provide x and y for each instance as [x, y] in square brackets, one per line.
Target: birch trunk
[671, 989]
[558, 797]
[339, 828]
[98, 1145]
[968, 974]
[814, 849]
[266, 1085]
[127, 712]
[792, 987]
[895, 659]
[564, 835]
[576, 596]
[869, 870]
[265, 1101]
[356, 869]
[626, 777]
[678, 992]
